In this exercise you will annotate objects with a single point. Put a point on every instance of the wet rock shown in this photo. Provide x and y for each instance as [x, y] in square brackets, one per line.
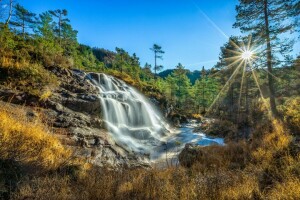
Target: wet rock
[178, 119]
[74, 110]
[87, 106]
[31, 115]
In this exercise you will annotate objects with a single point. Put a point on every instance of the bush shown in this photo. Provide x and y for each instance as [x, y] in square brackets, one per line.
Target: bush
[221, 128]
[30, 78]
[291, 112]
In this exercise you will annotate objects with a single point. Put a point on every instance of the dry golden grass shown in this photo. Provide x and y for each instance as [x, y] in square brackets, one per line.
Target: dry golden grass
[291, 112]
[9, 63]
[289, 189]
[268, 167]
[30, 78]
[271, 143]
[45, 95]
[29, 142]
[263, 169]
[45, 188]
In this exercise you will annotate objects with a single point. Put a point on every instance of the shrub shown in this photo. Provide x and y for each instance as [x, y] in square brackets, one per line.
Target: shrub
[30, 78]
[291, 112]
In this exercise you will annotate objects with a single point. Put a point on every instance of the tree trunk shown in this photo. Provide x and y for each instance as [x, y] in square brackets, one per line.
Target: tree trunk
[155, 63]
[203, 96]
[247, 99]
[10, 12]
[59, 28]
[269, 62]
[23, 28]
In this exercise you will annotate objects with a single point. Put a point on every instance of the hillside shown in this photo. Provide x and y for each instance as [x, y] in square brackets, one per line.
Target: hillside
[192, 75]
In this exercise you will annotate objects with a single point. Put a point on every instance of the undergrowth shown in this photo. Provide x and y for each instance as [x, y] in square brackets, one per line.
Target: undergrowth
[265, 168]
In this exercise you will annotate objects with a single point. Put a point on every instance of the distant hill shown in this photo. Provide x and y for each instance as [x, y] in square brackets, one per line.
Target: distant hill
[193, 76]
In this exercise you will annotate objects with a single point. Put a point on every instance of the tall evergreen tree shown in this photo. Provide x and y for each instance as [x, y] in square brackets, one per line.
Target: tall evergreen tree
[120, 60]
[146, 72]
[68, 39]
[158, 52]
[45, 26]
[183, 84]
[266, 20]
[203, 78]
[23, 19]
[61, 21]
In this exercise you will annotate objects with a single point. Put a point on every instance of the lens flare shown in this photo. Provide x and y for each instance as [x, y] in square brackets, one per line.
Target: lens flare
[247, 55]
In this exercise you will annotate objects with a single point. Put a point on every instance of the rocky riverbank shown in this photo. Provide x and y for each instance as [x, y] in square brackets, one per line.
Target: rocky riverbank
[219, 128]
[73, 111]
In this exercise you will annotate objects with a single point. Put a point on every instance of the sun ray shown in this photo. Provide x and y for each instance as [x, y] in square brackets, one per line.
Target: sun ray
[203, 62]
[234, 52]
[235, 45]
[210, 21]
[243, 46]
[261, 93]
[229, 66]
[267, 71]
[225, 86]
[249, 41]
[233, 58]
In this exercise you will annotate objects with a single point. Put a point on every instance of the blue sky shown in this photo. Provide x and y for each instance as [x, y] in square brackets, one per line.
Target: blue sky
[179, 26]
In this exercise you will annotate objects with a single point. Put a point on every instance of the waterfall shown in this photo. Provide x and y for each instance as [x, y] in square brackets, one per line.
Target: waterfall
[134, 123]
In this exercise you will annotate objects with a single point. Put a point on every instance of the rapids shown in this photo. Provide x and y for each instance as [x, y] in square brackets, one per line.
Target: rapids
[136, 125]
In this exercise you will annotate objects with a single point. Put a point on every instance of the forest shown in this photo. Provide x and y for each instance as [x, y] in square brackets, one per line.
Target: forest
[252, 93]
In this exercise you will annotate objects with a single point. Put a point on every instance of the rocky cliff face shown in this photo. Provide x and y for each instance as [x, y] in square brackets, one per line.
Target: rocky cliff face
[74, 111]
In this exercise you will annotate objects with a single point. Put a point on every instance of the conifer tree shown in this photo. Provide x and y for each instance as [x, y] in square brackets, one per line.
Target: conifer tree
[266, 20]
[61, 21]
[45, 26]
[23, 19]
[158, 52]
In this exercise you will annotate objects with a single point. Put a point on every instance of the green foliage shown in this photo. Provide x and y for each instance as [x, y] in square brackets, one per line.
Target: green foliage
[23, 19]
[85, 59]
[267, 21]
[158, 52]
[45, 26]
[7, 41]
[206, 90]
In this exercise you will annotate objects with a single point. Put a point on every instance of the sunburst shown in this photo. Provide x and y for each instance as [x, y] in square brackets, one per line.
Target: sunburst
[242, 59]
[247, 55]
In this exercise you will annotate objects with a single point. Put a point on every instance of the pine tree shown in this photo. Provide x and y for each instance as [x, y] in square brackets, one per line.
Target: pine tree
[61, 21]
[158, 52]
[68, 39]
[183, 84]
[266, 20]
[146, 74]
[45, 26]
[121, 59]
[23, 19]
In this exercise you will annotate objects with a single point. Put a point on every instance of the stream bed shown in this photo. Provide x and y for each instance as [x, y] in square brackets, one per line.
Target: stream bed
[175, 142]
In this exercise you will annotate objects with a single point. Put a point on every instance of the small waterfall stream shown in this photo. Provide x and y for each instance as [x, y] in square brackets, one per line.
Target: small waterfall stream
[137, 126]
[132, 120]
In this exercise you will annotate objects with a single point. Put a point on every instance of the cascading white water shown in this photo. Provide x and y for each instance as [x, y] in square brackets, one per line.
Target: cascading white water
[132, 120]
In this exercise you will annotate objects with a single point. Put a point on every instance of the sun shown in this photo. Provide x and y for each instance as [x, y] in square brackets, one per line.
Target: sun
[247, 55]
